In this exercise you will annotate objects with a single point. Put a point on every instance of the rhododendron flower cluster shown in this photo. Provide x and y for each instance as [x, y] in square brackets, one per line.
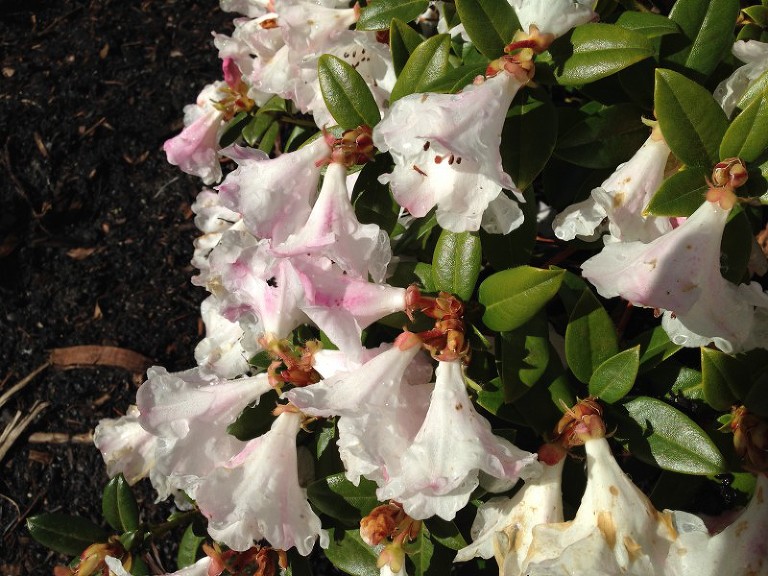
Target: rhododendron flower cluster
[405, 362]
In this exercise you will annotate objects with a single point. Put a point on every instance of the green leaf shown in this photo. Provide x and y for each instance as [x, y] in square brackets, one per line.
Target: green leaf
[274, 104]
[707, 27]
[513, 249]
[349, 553]
[269, 138]
[614, 378]
[339, 498]
[647, 23]
[594, 51]
[456, 79]
[428, 62]
[755, 90]
[445, 532]
[747, 136]
[758, 15]
[232, 130]
[403, 40]
[512, 297]
[255, 129]
[736, 247]
[528, 137]
[490, 24]
[655, 347]
[663, 436]
[523, 356]
[372, 200]
[726, 380]
[680, 194]
[346, 94]
[255, 420]
[64, 533]
[691, 120]
[188, 547]
[456, 263]
[377, 15]
[603, 139]
[420, 552]
[590, 337]
[119, 506]
[750, 31]
[133, 538]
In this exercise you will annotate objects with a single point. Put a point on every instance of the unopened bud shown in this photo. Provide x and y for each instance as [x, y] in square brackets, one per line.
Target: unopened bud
[750, 439]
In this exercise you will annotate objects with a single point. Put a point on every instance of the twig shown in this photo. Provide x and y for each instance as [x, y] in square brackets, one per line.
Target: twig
[13, 430]
[23, 382]
[60, 438]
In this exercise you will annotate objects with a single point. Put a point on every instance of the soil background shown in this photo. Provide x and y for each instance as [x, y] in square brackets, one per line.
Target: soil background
[95, 234]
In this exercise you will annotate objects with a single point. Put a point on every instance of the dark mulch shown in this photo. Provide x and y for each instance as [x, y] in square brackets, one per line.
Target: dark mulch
[95, 229]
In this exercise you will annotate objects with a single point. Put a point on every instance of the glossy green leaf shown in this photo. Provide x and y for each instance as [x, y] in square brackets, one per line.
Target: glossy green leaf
[274, 104]
[755, 90]
[133, 538]
[428, 62]
[736, 247]
[372, 200]
[747, 136]
[528, 137]
[659, 434]
[378, 15]
[680, 194]
[725, 379]
[233, 129]
[590, 337]
[255, 129]
[707, 27]
[456, 263]
[456, 79]
[445, 532]
[188, 547]
[692, 122]
[514, 296]
[403, 40]
[349, 553]
[269, 138]
[255, 420]
[523, 356]
[594, 51]
[758, 15]
[516, 248]
[750, 31]
[614, 378]
[119, 506]
[339, 498]
[603, 139]
[420, 552]
[346, 94]
[490, 24]
[655, 347]
[647, 23]
[64, 533]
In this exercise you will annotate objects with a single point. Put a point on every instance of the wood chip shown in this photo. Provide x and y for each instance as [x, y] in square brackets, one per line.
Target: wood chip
[80, 356]
[60, 438]
[80, 253]
[40, 145]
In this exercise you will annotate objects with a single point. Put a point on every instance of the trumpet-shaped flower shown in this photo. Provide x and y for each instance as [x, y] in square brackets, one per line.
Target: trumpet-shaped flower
[333, 231]
[126, 447]
[616, 529]
[741, 548]
[190, 414]
[553, 16]
[680, 272]
[274, 195]
[381, 405]
[256, 494]
[755, 55]
[440, 468]
[504, 526]
[226, 348]
[446, 153]
[622, 198]
[199, 568]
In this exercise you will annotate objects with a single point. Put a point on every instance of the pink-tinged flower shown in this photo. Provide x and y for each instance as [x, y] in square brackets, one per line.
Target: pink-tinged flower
[190, 414]
[199, 568]
[226, 348]
[332, 230]
[275, 195]
[621, 199]
[679, 272]
[341, 305]
[195, 149]
[213, 220]
[616, 529]
[126, 447]
[504, 526]
[250, 8]
[553, 16]
[257, 495]
[309, 28]
[440, 468]
[446, 152]
[741, 548]
[755, 55]
[381, 405]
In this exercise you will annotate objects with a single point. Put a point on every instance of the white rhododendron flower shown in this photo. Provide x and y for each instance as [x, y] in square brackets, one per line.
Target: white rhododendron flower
[616, 529]
[554, 17]
[621, 199]
[440, 468]
[222, 351]
[333, 230]
[274, 195]
[504, 526]
[126, 447]
[257, 495]
[446, 153]
[755, 55]
[741, 548]
[199, 568]
[190, 414]
[680, 272]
